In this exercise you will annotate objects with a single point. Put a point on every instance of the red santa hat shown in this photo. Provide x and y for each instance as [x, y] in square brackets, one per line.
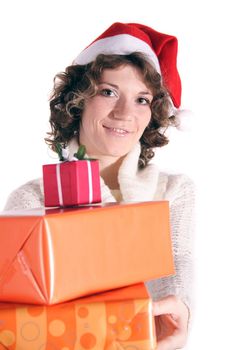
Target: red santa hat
[125, 38]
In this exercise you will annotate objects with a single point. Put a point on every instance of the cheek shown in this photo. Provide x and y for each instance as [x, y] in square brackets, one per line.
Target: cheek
[144, 121]
[89, 114]
[84, 119]
[98, 104]
[95, 111]
[86, 124]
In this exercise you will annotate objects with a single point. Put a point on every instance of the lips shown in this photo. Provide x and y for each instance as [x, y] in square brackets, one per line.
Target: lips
[117, 131]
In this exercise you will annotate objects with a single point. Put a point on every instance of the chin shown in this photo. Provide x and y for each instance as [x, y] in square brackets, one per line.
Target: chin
[117, 153]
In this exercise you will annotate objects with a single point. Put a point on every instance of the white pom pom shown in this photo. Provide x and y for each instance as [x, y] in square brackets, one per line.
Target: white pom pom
[184, 119]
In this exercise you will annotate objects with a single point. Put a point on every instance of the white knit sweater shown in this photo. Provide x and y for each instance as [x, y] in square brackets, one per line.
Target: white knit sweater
[142, 185]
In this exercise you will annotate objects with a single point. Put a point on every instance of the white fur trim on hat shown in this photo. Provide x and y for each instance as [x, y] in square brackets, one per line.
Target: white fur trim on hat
[121, 44]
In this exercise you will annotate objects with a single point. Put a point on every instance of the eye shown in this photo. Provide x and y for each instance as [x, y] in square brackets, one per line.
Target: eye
[143, 101]
[107, 92]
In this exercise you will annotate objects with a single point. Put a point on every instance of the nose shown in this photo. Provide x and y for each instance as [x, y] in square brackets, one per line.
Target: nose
[123, 109]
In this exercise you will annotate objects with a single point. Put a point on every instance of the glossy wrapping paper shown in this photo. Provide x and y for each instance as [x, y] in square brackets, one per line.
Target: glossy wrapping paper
[71, 183]
[55, 255]
[118, 319]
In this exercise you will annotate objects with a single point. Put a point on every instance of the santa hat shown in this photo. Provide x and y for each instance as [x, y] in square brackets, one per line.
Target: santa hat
[125, 38]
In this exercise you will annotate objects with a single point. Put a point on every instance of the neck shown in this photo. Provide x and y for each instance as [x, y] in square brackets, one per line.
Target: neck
[109, 171]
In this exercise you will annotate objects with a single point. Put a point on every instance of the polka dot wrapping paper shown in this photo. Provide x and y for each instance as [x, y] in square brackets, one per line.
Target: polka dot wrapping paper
[118, 319]
[55, 255]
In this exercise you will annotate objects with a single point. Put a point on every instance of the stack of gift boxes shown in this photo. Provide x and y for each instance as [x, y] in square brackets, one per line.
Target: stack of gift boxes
[72, 277]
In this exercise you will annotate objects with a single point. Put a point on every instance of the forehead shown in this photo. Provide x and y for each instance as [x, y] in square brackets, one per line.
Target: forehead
[124, 74]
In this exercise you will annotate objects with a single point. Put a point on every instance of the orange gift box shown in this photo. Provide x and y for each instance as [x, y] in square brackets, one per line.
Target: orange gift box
[118, 319]
[54, 255]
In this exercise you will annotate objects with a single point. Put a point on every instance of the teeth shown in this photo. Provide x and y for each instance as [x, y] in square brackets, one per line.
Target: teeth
[121, 131]
[117, 130]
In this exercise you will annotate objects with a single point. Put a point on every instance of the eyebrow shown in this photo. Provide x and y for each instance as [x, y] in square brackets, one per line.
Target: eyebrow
[113, 85]
[117, 87]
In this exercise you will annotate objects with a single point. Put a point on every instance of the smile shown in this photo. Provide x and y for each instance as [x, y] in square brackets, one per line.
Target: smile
[117, 131]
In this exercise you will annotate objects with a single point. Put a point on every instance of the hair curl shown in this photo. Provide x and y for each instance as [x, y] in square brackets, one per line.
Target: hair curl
[79, 82]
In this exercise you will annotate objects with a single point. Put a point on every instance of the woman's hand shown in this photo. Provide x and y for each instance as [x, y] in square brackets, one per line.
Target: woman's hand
[171, 322]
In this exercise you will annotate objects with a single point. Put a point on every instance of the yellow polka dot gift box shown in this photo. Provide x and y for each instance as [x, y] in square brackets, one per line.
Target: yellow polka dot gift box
[50, 256]
[114, 320]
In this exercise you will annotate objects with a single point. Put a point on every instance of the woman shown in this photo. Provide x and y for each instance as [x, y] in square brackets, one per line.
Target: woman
[117, 98]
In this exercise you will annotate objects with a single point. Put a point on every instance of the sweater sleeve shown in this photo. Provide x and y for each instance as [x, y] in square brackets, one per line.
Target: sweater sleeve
[180, 192]
[28, 196]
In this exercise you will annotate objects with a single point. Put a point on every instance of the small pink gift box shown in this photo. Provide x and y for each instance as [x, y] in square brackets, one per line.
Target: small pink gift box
[71, 183]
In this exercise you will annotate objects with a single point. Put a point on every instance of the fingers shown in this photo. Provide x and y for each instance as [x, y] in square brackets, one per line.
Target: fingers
[167, 305]
[171, 343]
[171, 337]
[172, 311]
[174, 307]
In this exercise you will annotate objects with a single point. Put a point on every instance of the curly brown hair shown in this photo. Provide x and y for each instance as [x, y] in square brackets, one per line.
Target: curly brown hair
[79, 82]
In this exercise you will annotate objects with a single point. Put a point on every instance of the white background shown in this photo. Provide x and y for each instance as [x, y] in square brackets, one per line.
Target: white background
[39, 39]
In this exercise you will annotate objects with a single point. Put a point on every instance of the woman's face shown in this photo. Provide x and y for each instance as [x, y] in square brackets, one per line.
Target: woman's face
[115, 118]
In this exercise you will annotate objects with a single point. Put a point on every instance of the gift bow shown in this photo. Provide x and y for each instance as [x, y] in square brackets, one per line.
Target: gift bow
[64, 154]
